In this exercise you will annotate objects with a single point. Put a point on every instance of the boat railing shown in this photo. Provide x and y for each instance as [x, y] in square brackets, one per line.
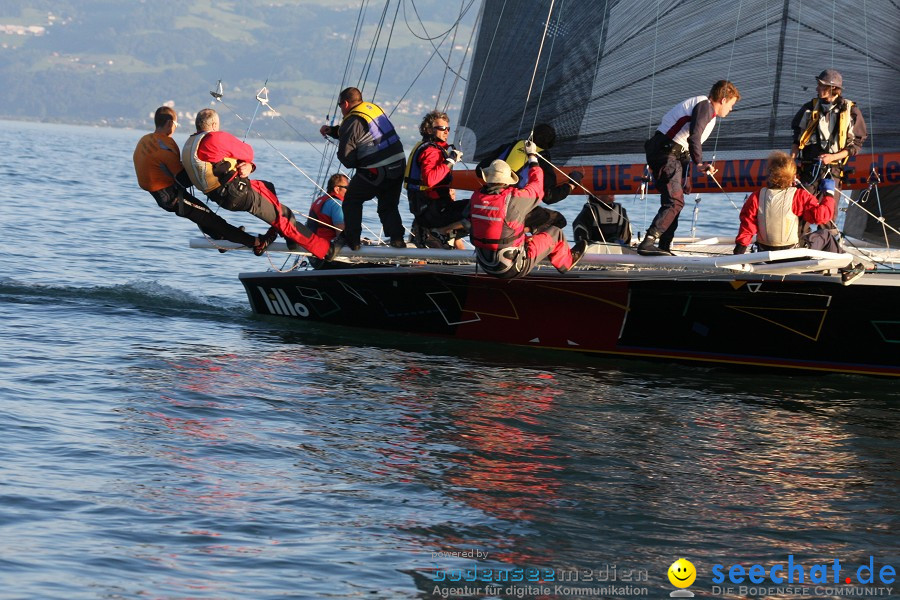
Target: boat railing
[779, 262]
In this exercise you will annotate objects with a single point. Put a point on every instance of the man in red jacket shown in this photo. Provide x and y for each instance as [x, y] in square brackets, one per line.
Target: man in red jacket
[219, 164]
[429, 180]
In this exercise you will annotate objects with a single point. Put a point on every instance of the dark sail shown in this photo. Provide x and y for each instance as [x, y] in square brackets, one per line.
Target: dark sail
[609, 70]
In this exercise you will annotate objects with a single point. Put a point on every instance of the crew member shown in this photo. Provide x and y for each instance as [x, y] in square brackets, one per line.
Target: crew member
[544, 137]
[326, 214]
[159, 171]
[676, 145]
[429, 181]
[219, 164]
[773, 214]
[498, 212]
[368, 143]
[828, 130]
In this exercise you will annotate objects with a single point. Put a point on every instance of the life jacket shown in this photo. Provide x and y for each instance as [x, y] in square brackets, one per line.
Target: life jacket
[777, 225]
[488, 216]
[201, 173]
[320, 221]
[832, 145]
[412, 178]
[515, 157]
[676, 124]
[383, 147]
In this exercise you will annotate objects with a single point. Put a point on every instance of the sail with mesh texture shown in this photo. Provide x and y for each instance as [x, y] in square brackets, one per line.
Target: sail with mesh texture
[609, 69]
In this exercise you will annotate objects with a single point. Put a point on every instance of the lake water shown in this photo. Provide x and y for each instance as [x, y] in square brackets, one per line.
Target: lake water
[159, 441]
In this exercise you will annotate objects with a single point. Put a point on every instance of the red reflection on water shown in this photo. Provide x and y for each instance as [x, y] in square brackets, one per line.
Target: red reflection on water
[494, 453]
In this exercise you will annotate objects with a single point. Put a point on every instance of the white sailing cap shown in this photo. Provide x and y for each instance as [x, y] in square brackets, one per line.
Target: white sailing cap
[500, 172]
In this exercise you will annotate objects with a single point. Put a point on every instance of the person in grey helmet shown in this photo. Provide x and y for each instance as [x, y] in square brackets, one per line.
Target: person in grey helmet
[828, 130]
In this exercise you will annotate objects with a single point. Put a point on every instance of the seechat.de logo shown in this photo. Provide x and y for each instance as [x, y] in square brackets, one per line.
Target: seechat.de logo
[682, 574]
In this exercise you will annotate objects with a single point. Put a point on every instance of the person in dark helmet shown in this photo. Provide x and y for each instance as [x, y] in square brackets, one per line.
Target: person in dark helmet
[827, 131]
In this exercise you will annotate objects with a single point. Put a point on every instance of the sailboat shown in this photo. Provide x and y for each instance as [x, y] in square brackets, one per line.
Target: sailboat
[602, 73]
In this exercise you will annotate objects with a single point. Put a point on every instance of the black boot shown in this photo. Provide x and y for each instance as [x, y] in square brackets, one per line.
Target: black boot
[647, 247]
[577, 252]
[334, 249]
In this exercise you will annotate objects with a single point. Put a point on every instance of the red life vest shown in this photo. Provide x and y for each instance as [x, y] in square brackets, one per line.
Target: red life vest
[316, 226]
[488, 216]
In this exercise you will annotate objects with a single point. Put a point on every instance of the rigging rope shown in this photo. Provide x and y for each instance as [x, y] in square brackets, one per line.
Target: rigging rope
[547, 67]
[354, 43]
[436, 51]
[437, 100]
[534, 73]
[386, 46]
[737, 22]
[367, 64]
[327, 161]
[870, 120]
[833, 27]
[796, 54]
[441, 35]
[462, 62]
[653, 72]
[484, 65]
[419, 74]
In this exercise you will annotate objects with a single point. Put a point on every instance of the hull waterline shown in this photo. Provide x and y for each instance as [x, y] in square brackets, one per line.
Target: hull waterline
[808, 322]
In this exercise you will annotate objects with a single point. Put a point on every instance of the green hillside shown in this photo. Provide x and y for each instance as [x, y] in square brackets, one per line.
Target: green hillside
[112, 62]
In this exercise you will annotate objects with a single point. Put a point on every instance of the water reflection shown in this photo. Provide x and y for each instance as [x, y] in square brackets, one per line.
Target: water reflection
[338, 456]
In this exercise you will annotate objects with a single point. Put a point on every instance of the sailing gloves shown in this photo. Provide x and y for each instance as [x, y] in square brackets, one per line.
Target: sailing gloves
[531, 150]
[827, 187]
[576, 177]
[739, 249]
[454, 156]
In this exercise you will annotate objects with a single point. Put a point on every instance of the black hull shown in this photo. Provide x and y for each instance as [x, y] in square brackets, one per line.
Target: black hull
[808, 322]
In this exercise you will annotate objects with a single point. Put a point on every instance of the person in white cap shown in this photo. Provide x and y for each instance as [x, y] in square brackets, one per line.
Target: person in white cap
[498, 213]
[828, 130]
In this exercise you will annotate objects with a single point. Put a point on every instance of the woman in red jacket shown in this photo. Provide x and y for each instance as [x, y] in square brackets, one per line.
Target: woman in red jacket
[776, 214]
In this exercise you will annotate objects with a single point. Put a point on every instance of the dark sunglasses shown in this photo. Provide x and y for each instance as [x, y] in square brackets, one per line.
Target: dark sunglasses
[441, 128]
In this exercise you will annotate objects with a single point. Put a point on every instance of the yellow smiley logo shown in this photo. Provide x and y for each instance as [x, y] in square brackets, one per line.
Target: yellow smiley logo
[682, 573]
